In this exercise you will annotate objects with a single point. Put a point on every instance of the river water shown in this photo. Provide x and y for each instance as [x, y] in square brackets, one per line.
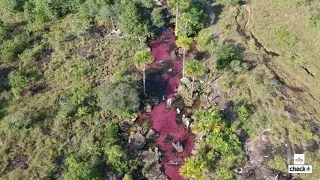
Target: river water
[163, 119]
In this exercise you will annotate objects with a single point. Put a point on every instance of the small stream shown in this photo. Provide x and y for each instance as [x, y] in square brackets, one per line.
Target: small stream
[163, 119]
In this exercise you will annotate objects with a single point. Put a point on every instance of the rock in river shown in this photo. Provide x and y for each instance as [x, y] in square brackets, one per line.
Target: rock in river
[178, 146]
[152, 134]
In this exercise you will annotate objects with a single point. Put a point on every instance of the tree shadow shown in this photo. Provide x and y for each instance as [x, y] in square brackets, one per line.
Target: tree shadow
[4, 79]
[217, 10]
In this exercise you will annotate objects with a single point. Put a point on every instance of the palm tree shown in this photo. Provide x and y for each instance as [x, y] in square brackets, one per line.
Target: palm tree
[193, 169]
[176, 6]
[186, 18]
[194, 68]
[184, 42]
[141, 59]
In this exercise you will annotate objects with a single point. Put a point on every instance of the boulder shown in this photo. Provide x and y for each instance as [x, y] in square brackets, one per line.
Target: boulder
[149, 157]
[173, 55]
[185, 80]
[178, 146]
[137, 141]
[124, 126]
[152, 134]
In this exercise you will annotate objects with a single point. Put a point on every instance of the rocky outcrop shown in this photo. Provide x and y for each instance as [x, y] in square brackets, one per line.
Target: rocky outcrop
[184, 90]
[137, 141]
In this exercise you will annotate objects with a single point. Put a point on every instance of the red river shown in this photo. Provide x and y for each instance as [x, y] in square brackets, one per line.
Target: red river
[164, 120]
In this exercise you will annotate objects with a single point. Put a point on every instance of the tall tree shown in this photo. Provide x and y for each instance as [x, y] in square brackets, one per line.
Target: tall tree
[131, 22]
[194, 68]
[141, 59]
[184, 42]
[177, 6]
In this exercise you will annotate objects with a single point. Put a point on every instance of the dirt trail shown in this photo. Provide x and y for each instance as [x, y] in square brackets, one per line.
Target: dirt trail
[164, 120]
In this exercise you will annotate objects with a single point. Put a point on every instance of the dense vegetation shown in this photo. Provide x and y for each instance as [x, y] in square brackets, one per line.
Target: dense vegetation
[72, 71]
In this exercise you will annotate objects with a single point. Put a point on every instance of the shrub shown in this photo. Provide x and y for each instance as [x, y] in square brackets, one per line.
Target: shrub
[20, 79]
[243, 112]
[3, 34]
[224, 173]
[12, 47]
[204, 40]
[79, 170]
[226, 53]
[19, 120]
[120, 98]
[117, 159]
[157, 18]
[278, 163]
[193, 169]
[29, 56]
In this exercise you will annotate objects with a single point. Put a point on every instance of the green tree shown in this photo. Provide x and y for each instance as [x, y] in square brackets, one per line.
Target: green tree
[157, 17]
[184, 42]
[192, 19]
[141, 59]
[119, 98]
[193, 169]
[77, 170]
[131, 23]
[10, 48]
[177, 6]
[226, 53]
[194, 68]
[117, 159]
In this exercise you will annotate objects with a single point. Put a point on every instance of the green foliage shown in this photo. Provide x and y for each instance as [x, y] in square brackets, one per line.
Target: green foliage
[157, 18]
[20, 120]
[192, 20]
[193, 169]
[278, 163]
[223, 147]
[132, 23]
[20, 79]
[194, 68]
[224, 173]
[83, 99]
[29, 56]
[243, 112]
[118, 98]
[3, 33]
[39, 11]
[12, 47]
[77, 170]
[205, 40]
[117, 159]
[142, 58]
[184, 42]
[226, 53]
[13, 5]
[238, 66]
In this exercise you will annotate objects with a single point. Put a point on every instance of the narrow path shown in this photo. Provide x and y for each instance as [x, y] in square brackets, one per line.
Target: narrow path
[163, 119]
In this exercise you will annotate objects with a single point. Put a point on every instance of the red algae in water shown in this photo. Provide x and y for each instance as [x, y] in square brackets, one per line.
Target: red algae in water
[164, 120]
